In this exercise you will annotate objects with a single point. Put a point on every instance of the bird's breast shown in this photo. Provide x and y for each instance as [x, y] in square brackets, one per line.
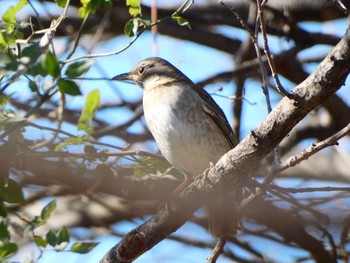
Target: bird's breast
[187, 137]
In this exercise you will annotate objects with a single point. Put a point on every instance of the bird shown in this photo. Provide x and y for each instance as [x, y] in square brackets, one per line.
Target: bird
[189, 127]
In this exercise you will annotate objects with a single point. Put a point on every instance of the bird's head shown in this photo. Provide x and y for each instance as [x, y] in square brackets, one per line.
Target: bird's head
[152, 72]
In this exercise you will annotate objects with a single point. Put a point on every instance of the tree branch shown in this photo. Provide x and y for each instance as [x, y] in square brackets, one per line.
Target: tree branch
[234, 166]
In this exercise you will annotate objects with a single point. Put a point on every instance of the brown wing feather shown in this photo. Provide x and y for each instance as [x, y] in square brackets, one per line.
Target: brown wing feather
[216, 113]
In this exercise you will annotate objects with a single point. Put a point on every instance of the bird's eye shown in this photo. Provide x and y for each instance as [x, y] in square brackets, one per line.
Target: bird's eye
[141, 70]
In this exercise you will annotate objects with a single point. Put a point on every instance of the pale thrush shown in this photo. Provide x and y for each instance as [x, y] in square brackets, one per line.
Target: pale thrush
[188, 126]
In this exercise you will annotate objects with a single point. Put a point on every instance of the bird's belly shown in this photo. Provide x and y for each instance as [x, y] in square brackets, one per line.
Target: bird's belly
[189, 143]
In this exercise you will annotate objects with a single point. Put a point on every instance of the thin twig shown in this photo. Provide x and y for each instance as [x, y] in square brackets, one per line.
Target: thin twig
[268, 54]
[51, 154]
[76, 42]
[311, 150]
[181, 10]
[296, 159]
[219, 247]
[311, 189]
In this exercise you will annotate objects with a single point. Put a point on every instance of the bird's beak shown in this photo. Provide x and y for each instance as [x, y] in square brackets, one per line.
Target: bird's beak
[124, 76]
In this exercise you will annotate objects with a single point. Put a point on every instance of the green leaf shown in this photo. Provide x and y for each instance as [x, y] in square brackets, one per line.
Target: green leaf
[3, 42]
[68, 87]
[133, 26]
[134, 11]
[78, 68]
[10, 28]
[33, 86]
[89, 149]
[61, 3]
[63, 236]
[149, 165]
[102, 156]
[91, 6]
[7, 249]
[52, 65]
[181, 21]
[70, 141]
[134, 7]
[32, 52]
[129, 27]
[40, 241]
[4, 233]
[47, 210]
[51, 238]
[38, 67]
[11, 191]
[9, 17]
[3, 211]
[88, 113]
[83, 247]
[4, 99]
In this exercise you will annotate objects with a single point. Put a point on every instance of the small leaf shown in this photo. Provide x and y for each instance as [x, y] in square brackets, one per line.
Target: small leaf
[52, 65]
[181, 21]
[134, 7]
[33, 86]
[40, 241]
[61, 3]
[83, 247]
[4, 99]
[9, 17]
[33, 52]
[68, 87]
[38, 67]
[47, 210]
[51, 238]
[7, 249]
[69, 141]
[88, 113]
[91, 6]
[4, 43]
[89, 149]
[131, 27]
[63, 236]
[11, 191]
[102, 156]
[78, 68]
[4, 233]
[3, 211]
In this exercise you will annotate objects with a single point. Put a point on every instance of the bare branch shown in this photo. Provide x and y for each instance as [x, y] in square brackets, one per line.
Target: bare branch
[230, 170]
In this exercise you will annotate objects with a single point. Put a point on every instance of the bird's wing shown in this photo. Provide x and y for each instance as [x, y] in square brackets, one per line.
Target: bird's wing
[216, 113]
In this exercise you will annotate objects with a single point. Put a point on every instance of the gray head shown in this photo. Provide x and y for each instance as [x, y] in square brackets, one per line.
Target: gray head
[153, 70]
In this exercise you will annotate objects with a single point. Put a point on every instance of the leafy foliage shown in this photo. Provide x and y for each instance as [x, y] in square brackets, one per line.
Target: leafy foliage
[7, 248]
[77, 69]
[86, 119]
[11, 31]
[91, 6]
[83, 247]
[134, 7]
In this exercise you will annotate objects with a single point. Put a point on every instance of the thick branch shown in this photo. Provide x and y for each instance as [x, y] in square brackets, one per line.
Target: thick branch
[236, 164]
